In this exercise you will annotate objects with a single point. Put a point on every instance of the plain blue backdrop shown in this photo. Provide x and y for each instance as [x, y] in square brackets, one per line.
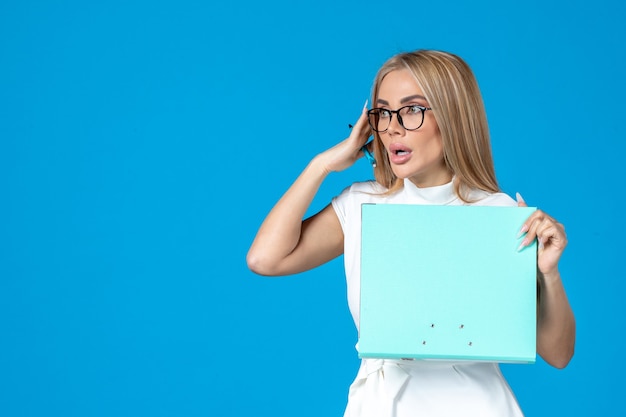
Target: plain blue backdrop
[143, 142]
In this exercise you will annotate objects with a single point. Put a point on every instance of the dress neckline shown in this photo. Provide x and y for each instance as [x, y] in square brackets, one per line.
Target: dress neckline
[439, 194]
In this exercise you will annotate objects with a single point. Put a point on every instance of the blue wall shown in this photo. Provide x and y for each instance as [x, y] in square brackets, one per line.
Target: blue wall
[143, 142]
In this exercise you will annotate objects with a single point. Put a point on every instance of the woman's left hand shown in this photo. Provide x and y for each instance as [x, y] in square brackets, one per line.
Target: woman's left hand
[550, 235]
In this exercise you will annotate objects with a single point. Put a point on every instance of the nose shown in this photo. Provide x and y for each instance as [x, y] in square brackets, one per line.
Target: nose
[394, 125]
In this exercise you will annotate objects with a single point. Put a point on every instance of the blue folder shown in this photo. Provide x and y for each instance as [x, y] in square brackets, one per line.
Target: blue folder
[447, 282]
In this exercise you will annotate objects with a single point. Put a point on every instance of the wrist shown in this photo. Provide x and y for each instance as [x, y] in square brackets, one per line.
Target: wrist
[550, 277]
[320, 165]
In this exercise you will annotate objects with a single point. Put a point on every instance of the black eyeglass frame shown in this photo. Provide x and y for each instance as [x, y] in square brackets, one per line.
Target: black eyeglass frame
[397, 112]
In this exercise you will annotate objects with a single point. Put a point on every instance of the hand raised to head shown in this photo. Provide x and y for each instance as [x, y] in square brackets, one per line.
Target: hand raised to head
[344, 154]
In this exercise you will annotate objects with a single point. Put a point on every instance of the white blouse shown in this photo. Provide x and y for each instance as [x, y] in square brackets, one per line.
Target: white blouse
[416, 388]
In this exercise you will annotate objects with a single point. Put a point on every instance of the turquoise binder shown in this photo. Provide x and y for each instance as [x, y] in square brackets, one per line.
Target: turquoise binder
[447, 282]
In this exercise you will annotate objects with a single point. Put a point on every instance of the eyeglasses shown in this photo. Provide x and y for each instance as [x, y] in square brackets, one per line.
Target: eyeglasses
[410, 117]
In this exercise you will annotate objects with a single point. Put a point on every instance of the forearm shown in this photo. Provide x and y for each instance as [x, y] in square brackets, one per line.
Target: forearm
[556, 326]
[281, 230]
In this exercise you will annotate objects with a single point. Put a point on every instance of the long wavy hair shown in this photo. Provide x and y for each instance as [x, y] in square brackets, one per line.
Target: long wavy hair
[451, 89]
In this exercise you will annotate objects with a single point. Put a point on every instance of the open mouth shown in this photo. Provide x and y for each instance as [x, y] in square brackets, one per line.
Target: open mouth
[398, 149]
[399, 154]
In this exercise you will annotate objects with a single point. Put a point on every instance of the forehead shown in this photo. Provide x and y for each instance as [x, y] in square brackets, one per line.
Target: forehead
[397, 85]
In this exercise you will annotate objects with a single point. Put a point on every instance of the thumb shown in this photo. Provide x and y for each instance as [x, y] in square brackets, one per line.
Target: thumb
[520, 200]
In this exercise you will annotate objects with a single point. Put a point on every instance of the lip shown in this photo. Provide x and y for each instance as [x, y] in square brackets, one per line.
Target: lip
[399, 158]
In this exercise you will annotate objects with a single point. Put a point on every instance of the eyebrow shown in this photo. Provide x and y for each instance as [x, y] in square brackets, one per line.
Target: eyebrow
[404, 100]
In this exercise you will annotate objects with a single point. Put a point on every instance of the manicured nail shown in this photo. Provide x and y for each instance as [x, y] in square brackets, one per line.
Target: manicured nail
[523, 244]
[523, 230]
[365, 105]
[519, 198]
[540, 243]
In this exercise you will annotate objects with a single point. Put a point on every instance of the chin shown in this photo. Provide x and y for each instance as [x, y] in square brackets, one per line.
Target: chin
[403, 173]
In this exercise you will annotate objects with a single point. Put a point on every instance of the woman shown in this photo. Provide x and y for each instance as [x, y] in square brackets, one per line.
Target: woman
[432, 146]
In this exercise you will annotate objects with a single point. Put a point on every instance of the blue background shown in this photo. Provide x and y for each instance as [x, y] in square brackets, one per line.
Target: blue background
[143, 142]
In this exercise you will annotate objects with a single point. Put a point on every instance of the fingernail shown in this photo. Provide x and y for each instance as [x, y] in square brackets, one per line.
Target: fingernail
[365, 105]
[523, 244]
[523, 230]
[519, 198]
[540, 243]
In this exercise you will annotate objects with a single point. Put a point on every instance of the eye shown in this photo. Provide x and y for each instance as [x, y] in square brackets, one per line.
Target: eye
[414, 109]
[384, 114]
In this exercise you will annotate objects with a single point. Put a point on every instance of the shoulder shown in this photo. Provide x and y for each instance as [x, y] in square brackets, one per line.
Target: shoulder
[349, 201]
[484, 198]
[361, 190]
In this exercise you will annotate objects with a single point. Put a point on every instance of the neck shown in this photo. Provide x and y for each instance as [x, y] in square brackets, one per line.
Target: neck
[425, 181]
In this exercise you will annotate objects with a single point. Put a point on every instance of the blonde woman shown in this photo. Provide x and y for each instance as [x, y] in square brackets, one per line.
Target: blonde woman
[432, 146]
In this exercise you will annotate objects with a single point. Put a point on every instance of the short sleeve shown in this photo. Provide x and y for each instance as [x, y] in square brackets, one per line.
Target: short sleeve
[340, 204]
[347, 204]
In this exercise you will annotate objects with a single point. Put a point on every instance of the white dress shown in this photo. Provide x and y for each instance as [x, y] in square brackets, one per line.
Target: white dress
[402, 388]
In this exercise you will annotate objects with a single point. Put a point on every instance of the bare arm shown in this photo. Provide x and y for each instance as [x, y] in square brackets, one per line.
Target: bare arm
[285, 244]
[556, 326]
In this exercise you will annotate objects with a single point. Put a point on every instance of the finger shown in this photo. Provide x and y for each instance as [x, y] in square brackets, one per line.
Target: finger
[549, 231]
[537, 214]
[544, 232]
[362, 123]
[522, 203]
[544, 228]
[530, 228]
[360, 136]
[541, 228]
[361, 131]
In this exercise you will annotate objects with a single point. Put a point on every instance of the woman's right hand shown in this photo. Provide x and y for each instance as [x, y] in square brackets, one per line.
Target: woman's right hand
[346, 153]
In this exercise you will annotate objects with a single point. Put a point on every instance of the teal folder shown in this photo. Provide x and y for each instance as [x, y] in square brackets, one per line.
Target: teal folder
[447, 282]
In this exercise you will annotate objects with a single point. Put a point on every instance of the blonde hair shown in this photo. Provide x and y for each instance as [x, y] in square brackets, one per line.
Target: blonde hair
[451, 90]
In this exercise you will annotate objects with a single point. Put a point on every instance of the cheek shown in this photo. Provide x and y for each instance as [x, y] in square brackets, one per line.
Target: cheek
[436, 139]
[432, 144]
[432, 151]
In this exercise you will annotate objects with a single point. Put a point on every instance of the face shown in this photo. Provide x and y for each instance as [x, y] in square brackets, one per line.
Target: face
[413, 154]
